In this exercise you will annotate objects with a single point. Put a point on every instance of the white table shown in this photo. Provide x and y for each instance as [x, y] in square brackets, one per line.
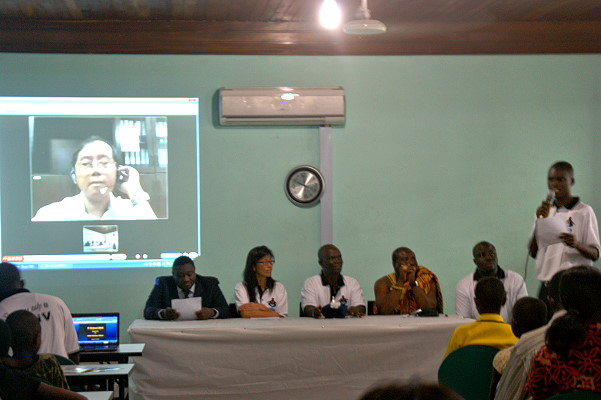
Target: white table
[288, 358]
[97, 395]
[105, 373]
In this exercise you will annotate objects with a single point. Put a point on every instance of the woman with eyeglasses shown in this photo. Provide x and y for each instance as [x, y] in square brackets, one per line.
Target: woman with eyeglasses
[259, 295]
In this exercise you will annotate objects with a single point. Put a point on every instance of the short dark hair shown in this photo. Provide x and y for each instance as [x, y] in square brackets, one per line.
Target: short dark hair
[5, 338]
[321, 253]
[528, 313]
[490, 292]
[395, 253]
[90, 140]
[563, 166]
[249, 275]
[24, 327]
[9, 276]
[580, 293]
[181, 260]
[399, 391]
[482, 243]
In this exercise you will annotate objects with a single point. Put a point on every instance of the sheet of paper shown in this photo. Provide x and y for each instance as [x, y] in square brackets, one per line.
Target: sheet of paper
[84, 370]
[187, 307]
[548, 230]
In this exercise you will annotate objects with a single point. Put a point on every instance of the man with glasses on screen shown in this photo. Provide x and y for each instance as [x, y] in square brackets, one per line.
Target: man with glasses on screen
[97, 174]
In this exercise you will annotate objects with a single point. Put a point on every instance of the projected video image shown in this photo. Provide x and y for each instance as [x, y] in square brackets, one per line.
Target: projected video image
[100, 238]
[99, 182]
[98, 168]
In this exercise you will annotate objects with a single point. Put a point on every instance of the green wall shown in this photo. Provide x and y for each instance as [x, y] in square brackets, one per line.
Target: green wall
[438, 152]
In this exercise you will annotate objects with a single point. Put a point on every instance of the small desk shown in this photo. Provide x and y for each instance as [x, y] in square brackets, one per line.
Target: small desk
[285, 358]
[121, 355]
[106, 374]
[97, 395]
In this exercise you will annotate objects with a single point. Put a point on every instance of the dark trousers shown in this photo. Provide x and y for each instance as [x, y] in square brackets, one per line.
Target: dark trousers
[543, 292]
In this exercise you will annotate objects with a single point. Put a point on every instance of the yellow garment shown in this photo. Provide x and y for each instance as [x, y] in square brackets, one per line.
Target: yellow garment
[488, 330]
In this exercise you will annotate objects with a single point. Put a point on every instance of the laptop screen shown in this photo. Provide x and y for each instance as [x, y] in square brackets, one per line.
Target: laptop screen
[97, 329]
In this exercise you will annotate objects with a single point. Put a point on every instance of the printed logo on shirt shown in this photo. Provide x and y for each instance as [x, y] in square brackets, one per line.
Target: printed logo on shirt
[272, 302]
[343, 301]
[41, 310]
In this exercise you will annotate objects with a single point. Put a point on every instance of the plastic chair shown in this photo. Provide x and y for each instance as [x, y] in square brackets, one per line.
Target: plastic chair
[468, 371]
[63, 360]
[67, 361]
[578, 395]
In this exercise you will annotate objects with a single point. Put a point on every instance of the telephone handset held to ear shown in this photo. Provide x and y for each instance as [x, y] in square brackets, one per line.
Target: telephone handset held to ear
[122, 174]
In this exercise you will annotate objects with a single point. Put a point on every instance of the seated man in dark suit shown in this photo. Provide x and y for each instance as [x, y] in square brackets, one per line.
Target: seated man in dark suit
[184, 283]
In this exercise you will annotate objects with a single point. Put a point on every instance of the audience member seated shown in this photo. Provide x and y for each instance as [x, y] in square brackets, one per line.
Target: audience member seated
[409, 288]
[529, 313]
[260, 295]
[570, 359]
[17, 385]
[489, 329]
[485, 258]
[513, 380]
[184, 283]
[420, 391]
[331, 294]
[58, 333]
[26, 333]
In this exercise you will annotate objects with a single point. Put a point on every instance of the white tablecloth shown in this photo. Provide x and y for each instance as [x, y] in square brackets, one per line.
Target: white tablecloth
[287, 358]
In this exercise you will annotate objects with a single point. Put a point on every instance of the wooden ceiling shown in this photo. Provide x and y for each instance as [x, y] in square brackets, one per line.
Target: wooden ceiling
[290, 27]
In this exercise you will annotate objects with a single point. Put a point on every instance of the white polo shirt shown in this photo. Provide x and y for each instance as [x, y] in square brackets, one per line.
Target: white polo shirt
[315, 293]
[557, 257]
[276, 299]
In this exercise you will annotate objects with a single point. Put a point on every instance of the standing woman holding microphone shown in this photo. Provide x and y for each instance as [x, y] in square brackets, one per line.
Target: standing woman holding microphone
[259, 295]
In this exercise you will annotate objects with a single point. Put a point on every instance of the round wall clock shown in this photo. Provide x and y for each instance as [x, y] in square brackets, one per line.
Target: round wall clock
[304, 185]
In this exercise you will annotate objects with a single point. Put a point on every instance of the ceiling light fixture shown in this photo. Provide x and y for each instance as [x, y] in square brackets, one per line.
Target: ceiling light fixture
[364, 25]
[330, 15]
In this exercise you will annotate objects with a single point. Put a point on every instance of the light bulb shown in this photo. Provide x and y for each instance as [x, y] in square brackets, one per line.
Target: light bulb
[330, 15]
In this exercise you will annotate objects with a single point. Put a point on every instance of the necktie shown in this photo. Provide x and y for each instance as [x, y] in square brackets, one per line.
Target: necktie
[187, 293]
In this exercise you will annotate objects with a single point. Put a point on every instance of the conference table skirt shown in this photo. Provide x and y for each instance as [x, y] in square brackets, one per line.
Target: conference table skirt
[286, 358]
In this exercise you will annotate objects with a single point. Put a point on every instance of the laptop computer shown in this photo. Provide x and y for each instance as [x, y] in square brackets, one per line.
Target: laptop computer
[97, 331]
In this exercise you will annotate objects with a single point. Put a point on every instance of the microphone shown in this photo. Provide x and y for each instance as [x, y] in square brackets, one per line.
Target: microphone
[550, 196]
[549, 199]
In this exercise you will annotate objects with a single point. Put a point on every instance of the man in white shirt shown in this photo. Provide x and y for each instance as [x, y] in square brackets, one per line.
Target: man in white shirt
[485, 258]
[97, 175]
[58, 333]
[319, 290]
[579, 243]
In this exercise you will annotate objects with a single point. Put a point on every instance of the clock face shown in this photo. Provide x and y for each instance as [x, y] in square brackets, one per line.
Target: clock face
[304, 185]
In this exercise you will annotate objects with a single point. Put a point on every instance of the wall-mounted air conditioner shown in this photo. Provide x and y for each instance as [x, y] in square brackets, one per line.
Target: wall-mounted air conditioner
[281, 105]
